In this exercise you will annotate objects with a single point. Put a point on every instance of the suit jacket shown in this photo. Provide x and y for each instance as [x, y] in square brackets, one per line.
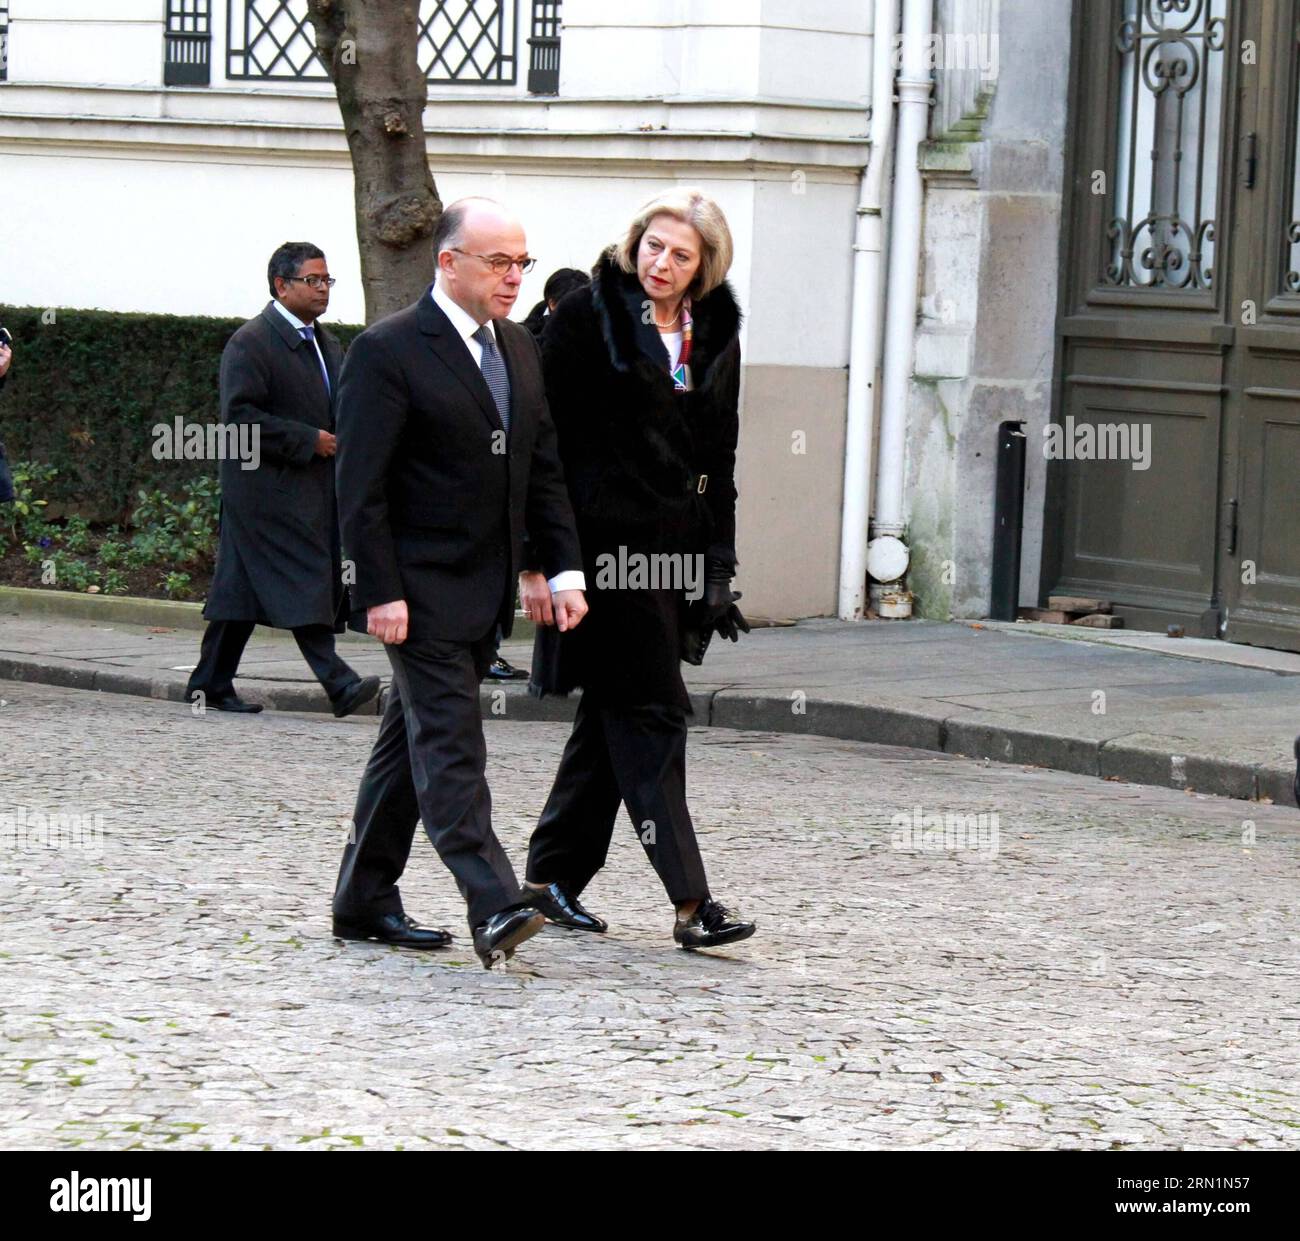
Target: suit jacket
[278, 560]
[434, 497]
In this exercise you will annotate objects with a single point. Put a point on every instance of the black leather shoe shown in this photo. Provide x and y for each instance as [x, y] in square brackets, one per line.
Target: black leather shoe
[497, 938]
[1295, 784]
[360, 692]
[500, 670]
[396, 929]
[233, 702]
[563, 909]
[711, 926]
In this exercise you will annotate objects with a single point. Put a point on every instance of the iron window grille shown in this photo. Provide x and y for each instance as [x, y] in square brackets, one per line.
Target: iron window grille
[468, 41]
[544, 49]
[4, 40]
[271, 39]
[460, 41]
[187, 43]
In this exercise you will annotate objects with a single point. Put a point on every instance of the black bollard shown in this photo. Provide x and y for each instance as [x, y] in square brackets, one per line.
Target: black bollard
[1008, 518]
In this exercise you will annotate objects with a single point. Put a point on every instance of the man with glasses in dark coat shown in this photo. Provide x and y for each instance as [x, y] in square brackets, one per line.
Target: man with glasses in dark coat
[278, 559]
[447, 456]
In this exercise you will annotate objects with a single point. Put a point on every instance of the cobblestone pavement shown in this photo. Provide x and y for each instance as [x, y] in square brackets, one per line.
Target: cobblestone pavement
[1120, 971]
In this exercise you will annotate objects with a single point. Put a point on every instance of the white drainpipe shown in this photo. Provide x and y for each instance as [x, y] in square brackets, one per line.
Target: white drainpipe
[887, 555]
[864, 338]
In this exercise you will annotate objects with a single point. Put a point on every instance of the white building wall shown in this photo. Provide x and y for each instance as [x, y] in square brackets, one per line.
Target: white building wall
[722, 49]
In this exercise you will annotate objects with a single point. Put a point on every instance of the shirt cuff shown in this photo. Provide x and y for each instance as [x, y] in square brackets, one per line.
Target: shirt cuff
[570, 579]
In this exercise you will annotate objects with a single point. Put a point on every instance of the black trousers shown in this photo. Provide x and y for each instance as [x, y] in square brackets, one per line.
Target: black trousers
[634, 755]
[223, 646]
[428, 765]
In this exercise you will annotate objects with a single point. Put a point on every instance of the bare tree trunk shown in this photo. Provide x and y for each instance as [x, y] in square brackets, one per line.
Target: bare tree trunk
[369, 48]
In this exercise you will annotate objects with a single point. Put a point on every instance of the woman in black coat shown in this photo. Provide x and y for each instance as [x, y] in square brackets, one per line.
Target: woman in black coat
[643, 381]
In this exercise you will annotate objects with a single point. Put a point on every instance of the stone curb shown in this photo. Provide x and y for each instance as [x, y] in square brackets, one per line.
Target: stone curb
[118, 609]
[1128, 760]
[960, 735]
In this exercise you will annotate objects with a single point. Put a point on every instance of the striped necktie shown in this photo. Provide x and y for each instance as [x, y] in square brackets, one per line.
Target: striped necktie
[309, 335]
[494, 372]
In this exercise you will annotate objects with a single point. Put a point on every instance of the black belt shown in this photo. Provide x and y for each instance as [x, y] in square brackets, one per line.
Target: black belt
[698, 484]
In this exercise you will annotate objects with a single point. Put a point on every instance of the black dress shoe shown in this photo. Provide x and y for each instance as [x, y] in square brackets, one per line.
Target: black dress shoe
[233, 702]
[563, 909]
[1295, 784]
[500, 670]
[397, 929]
[711, 926]
[360, 692]
[497, 938]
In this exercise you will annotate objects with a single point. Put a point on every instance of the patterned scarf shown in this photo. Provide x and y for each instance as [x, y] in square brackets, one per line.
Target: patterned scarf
[682, 374]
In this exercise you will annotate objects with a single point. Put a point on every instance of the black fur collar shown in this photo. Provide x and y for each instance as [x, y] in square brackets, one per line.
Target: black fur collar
[619, 302]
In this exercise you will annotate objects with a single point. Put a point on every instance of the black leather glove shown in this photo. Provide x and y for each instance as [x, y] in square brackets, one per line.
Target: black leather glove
[732, 623]
[719, 612]
[695, 642]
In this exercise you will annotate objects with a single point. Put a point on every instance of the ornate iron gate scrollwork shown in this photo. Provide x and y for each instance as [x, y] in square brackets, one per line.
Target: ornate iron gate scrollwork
[1171, 83]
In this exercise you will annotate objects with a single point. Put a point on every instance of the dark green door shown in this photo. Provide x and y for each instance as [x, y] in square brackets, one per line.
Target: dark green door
[1260, 567]
[1175, 451]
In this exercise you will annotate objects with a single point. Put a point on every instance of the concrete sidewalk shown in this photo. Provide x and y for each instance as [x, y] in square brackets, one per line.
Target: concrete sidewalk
[1178, 713]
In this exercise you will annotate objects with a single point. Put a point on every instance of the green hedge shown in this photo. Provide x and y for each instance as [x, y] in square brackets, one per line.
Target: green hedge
[87, 387]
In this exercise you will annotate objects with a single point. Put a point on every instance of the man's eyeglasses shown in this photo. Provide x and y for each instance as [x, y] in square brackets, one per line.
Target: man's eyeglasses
[500, 263]
[314, 282]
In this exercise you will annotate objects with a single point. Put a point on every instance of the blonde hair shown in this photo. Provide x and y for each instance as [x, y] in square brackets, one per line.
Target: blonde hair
[691, 206]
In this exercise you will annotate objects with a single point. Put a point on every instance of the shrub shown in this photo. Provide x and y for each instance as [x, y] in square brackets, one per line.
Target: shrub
[175, 532]
[177, 585]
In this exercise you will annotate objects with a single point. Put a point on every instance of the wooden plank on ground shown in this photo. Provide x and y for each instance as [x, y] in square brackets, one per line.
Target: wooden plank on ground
[1100, 620]
[1077, 603]
[1045, 616]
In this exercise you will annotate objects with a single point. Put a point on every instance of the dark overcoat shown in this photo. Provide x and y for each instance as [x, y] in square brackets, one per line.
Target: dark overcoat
[651, 470]
[6, 478]
[434, 494]
[278, 558]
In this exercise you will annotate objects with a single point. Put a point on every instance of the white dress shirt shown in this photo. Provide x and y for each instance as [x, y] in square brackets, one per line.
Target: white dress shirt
[298, 326]
[466, 325]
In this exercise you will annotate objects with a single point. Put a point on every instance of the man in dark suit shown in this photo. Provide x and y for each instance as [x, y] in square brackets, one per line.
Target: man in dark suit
[446, 455]
[278, 558]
